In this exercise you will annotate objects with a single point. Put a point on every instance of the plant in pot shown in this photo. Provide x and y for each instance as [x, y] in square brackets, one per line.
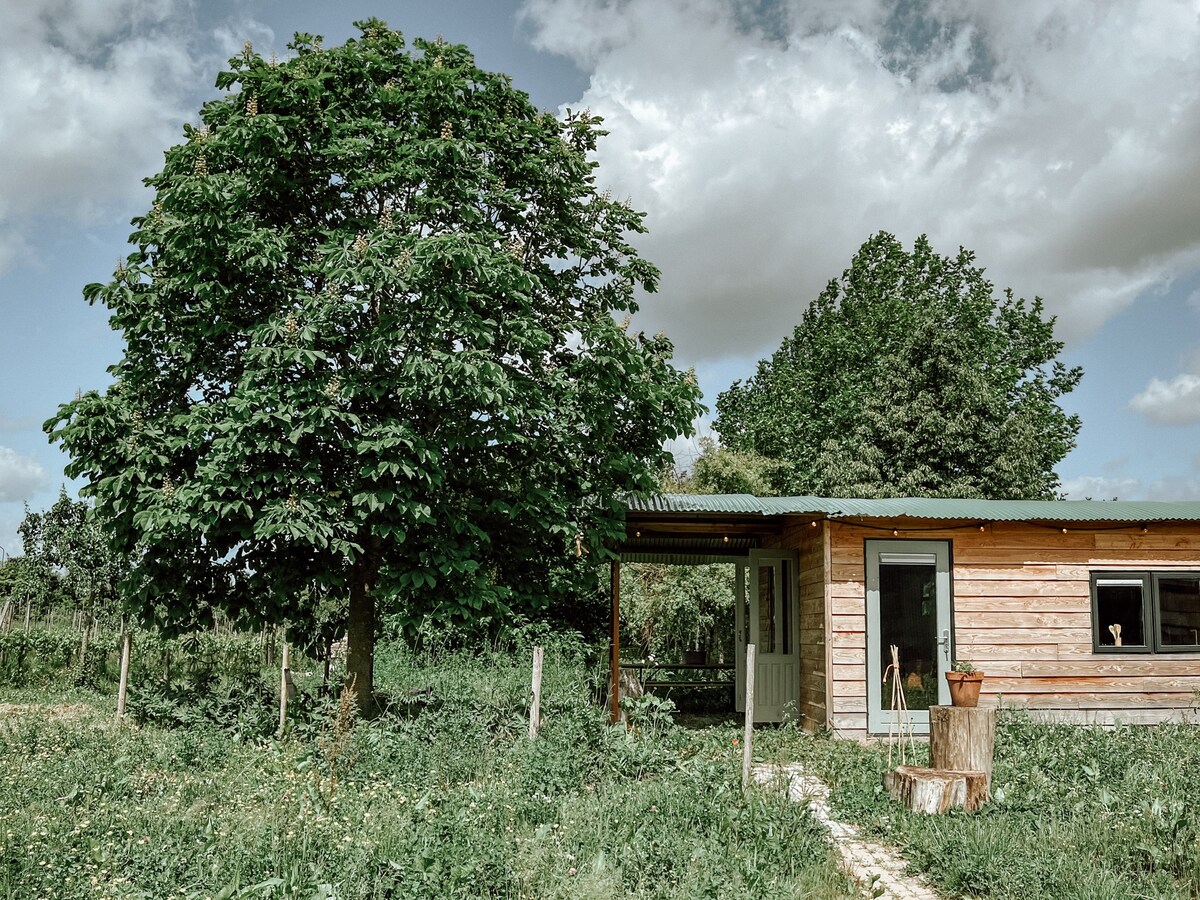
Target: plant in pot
[964, 680]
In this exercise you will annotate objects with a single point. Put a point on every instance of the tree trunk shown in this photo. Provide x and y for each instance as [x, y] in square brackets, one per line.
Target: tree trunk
[360, 629]
[936, 790]
[962, 738]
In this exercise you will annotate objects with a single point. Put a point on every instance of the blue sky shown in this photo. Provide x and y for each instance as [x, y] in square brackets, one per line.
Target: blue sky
[766, 139]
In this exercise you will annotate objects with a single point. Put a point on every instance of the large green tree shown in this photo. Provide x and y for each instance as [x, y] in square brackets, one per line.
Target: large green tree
[372, 348]
[909, 376]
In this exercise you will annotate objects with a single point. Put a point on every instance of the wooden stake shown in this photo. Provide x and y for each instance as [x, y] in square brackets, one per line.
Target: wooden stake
[748, 736]
[126, 652]
[615, 689]
[28, 612]
[83, 644]
[535, 711]
[283, 690]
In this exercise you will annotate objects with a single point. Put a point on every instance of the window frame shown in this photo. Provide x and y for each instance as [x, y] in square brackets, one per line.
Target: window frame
[1148, 620]
[1155, 578]
[1151, 618]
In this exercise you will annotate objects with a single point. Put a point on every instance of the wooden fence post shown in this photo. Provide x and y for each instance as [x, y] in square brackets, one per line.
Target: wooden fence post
[615, 648]
[748, 736]
[83, 643]
[28, 611]
[126, 652]
[283, 690]
[535, 710]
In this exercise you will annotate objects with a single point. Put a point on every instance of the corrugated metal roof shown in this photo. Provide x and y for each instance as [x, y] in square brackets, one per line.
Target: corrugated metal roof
[700, 503]
[929, 508]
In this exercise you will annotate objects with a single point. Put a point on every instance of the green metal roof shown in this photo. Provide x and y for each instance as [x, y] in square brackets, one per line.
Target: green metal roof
[927, 508]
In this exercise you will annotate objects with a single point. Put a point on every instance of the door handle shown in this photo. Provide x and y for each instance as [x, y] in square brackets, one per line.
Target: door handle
[944, 641]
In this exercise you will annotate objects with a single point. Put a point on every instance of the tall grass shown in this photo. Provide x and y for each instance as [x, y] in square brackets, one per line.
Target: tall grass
[443, 796]
[1077, 812]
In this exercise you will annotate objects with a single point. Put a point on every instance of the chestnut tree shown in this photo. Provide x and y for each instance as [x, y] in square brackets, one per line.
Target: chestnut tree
[373, 349]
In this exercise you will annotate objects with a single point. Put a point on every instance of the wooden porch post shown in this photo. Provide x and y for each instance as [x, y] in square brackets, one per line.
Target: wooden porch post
[615, 690]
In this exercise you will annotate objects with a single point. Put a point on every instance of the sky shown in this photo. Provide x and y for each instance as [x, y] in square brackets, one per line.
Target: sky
[766, 140]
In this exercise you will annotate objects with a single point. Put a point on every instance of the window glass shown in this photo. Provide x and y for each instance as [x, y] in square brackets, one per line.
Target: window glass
[1120, 611]
[785, 607]
[908, 620]
[767, 609]
[1179, 610]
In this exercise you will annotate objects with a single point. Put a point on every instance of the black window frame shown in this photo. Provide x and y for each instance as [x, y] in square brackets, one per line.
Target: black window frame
[1151, 627]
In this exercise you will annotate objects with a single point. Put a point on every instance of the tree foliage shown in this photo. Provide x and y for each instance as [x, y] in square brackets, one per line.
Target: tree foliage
[908, 376]
[671, 608]
[372, 349]
[68, 559]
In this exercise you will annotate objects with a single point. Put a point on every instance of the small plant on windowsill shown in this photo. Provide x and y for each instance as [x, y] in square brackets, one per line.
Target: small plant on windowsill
[964, 681]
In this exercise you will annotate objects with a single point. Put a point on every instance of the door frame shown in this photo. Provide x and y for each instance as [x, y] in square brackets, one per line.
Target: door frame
[879, 719]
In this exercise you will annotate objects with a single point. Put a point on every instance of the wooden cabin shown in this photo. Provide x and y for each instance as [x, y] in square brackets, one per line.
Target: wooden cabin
[1079, 611]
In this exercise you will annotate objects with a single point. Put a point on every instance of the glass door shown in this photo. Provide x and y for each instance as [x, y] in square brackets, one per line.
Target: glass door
[908, 607]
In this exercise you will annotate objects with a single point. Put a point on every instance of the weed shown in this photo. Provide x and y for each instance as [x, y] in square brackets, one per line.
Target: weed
[449, 799]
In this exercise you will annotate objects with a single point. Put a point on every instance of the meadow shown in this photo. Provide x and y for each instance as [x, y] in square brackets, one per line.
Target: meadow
[445, 795]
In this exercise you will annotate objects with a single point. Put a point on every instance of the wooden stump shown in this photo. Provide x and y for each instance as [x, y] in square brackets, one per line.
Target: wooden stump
[936, 790]
[962, 739]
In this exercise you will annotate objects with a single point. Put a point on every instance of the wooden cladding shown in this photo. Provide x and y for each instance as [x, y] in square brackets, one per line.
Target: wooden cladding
[1022, 612]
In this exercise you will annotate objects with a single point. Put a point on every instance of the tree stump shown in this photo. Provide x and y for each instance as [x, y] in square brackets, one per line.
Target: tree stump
[936, 790]
[962, 739]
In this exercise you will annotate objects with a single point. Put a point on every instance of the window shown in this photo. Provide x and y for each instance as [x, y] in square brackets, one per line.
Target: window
[1145, 612]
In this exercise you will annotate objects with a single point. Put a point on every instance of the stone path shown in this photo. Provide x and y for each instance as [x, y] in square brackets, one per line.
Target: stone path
[880, 869]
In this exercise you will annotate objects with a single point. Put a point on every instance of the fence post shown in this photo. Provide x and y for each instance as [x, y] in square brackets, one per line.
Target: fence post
[83, 643]
[535, 711]
[283, 690]
[126, 652]
[748, 736]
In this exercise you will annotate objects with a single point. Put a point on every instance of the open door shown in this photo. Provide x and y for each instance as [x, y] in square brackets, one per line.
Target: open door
[768, 618]
[908, 605]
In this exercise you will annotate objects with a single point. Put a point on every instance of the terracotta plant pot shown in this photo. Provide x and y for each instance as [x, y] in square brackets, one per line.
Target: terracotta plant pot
[964, 688]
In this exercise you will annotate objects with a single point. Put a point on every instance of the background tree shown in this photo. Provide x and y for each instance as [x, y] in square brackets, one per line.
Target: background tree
[909, 377]
[371, 348]
[68, 559]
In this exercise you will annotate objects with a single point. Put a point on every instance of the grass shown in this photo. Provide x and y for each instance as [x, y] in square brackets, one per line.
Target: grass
[444, 797]
[1077, 812]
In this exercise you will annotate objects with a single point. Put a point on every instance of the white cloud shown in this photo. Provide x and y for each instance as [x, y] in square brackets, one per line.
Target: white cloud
[1174, 402]
[94, 90]
[1059, 140]
[20, 476]
[1175, 487]
[1098, 487]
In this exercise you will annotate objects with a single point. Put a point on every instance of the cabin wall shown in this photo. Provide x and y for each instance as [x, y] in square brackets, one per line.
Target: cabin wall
[1021, 602]
[809, 542]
